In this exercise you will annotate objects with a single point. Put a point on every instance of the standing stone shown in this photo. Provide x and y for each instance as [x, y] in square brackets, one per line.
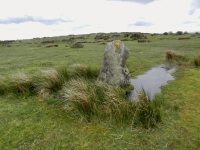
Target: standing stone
[114, 70]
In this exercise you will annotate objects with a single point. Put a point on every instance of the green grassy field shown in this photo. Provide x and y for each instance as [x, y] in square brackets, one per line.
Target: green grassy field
[29, 121]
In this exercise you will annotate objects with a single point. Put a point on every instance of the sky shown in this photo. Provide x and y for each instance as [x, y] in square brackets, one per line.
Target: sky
[26, 19]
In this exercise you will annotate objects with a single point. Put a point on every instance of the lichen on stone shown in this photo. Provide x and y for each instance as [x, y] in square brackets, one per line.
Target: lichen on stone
[117, 44]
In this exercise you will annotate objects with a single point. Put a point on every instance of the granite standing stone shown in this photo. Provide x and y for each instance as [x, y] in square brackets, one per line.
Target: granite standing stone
[114, 70]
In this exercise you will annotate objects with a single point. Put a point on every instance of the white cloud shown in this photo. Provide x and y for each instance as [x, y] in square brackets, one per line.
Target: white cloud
[28, 18]
[136, 1]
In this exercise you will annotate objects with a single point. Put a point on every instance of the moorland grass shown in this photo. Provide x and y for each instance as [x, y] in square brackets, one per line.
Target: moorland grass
[197, 61]
[95, 101]
[100, 102]
[173, 56]
[29, 121]
[46, 82]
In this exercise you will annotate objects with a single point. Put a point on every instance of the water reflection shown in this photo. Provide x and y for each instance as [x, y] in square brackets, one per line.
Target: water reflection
[152, 81]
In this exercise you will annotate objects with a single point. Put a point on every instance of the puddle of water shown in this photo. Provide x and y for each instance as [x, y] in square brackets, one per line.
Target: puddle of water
[152, 81]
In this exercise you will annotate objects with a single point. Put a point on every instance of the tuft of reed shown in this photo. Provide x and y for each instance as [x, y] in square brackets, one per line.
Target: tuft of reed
[197, 61]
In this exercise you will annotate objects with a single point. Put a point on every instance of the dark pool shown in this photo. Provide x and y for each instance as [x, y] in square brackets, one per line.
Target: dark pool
[152, 81]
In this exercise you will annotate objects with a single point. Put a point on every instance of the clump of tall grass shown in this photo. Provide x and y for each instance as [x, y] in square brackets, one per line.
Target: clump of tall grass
[173, 56]
[47, 82]
[20, 83]
[53, 79]
[51, 82]
[103, 102]
[98, 100]
[184, 38]
[147, 112]
[3, 85]
[197, 61]
[17, 83]
[81, 70]
[93, 100]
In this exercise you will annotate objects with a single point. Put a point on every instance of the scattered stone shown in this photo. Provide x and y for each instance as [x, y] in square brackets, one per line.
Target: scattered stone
[114, 70]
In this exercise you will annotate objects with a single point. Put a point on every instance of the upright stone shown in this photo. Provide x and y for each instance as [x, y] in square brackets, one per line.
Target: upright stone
[114, 70]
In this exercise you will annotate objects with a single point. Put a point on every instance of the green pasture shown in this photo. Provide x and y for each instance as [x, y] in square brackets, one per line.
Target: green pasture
[31, 121]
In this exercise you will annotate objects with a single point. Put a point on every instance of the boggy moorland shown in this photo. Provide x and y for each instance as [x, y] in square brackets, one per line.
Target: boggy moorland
[50, 99]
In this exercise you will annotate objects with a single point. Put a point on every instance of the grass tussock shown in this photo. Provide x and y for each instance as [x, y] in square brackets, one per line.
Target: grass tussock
[102, 102]
[17, 83]
[173, 56]
[197, 61]
[21, 83]
[90, 100]
[183, 38]
[98, 100]
[3, 85]
[147, 112]
[80, 70]
[47, 82]
[52, 82]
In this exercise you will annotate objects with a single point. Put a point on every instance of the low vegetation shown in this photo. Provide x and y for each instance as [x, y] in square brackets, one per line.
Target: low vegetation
[50, 97]
[100, 102]
[143, 41]
[173, 56]
[183, 38]
[197, 61]
[95, 101]
[77, 45]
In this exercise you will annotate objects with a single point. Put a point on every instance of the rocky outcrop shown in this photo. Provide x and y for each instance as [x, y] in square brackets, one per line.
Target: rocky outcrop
[114, 70]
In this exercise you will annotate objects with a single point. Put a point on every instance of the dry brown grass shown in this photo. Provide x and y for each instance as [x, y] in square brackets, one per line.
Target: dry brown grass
[52, 81]
[3, 85]
[172, 55]
[98, 100]
[143, 41]
[183, 38]
[21, 82]
[197, 61]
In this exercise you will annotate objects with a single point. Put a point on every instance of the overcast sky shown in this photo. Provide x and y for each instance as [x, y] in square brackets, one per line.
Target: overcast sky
[22, 19]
